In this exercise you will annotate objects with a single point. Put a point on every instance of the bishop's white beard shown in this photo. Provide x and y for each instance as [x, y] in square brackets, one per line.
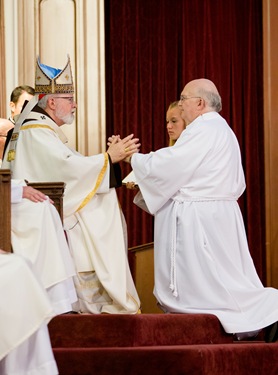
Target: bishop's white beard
[66, 118]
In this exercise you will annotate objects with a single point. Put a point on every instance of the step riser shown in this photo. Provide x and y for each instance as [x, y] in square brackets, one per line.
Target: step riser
[226, 359]
[136, 330]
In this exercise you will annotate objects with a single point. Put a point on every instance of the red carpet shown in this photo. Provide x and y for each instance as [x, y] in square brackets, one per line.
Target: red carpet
[155, 344]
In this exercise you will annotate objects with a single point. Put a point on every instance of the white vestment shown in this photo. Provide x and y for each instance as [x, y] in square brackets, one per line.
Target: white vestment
[25, 311]
[202, 260]
[92, 217]
[38, 235]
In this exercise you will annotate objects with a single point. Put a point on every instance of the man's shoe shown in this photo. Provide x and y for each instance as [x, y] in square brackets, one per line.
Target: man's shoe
[271, 333]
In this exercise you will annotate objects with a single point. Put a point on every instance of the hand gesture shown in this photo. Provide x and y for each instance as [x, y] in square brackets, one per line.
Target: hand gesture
[110, 139]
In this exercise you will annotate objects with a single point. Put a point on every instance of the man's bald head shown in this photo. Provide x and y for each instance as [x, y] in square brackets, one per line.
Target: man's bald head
[198, 97]
[207, 90]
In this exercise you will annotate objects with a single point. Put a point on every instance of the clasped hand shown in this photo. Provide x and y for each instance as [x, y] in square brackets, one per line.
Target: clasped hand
[122, 149]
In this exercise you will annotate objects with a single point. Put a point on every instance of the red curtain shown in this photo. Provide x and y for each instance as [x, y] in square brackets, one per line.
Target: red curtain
[153, 48]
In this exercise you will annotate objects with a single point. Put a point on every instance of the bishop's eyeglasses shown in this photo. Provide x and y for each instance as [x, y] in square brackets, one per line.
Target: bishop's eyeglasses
[69, 98]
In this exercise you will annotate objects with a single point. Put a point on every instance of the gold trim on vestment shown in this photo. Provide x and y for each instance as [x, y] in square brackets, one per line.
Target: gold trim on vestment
[11, 155]
[36, 126]
[14, 136]
[136, 303]
[99, 180]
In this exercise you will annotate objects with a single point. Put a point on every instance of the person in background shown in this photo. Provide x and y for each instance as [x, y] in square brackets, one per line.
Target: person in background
[27, 308]
[202, 259]
[175, 126]
[25, 346]
[17, 99]
[38, 235]
[92, 216]
[175, 123]
[5, 126]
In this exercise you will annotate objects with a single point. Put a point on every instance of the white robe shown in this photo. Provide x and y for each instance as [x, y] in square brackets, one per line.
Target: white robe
[202, 260]
[38, 235]
[25, 311]
[92, 217]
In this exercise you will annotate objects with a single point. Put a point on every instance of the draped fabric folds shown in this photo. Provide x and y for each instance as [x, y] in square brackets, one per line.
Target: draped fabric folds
[153, 48]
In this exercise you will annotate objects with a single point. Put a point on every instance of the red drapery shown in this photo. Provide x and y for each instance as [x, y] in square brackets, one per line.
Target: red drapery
[153, 48]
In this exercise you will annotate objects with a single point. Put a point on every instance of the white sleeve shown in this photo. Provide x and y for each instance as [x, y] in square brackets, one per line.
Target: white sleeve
[140, 202]
[16, 191]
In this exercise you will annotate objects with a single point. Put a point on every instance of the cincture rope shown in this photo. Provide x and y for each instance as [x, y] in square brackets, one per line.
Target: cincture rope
[177, 200]
[173, 282]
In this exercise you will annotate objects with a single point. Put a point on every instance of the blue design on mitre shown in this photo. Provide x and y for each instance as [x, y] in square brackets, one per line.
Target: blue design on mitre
[49, 80]
[49, 71]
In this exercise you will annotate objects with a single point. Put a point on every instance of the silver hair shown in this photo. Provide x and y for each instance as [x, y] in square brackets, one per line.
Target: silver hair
[213, 99]
[43, 101]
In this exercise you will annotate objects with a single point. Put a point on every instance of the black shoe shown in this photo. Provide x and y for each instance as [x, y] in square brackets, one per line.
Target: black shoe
[271, 333]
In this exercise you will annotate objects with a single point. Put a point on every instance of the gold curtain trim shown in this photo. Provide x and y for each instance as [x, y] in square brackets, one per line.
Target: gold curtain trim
[99, 180]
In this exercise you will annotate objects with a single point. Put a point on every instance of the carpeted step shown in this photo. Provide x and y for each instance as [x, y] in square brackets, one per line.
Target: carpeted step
[91, 331]
[221, 359]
